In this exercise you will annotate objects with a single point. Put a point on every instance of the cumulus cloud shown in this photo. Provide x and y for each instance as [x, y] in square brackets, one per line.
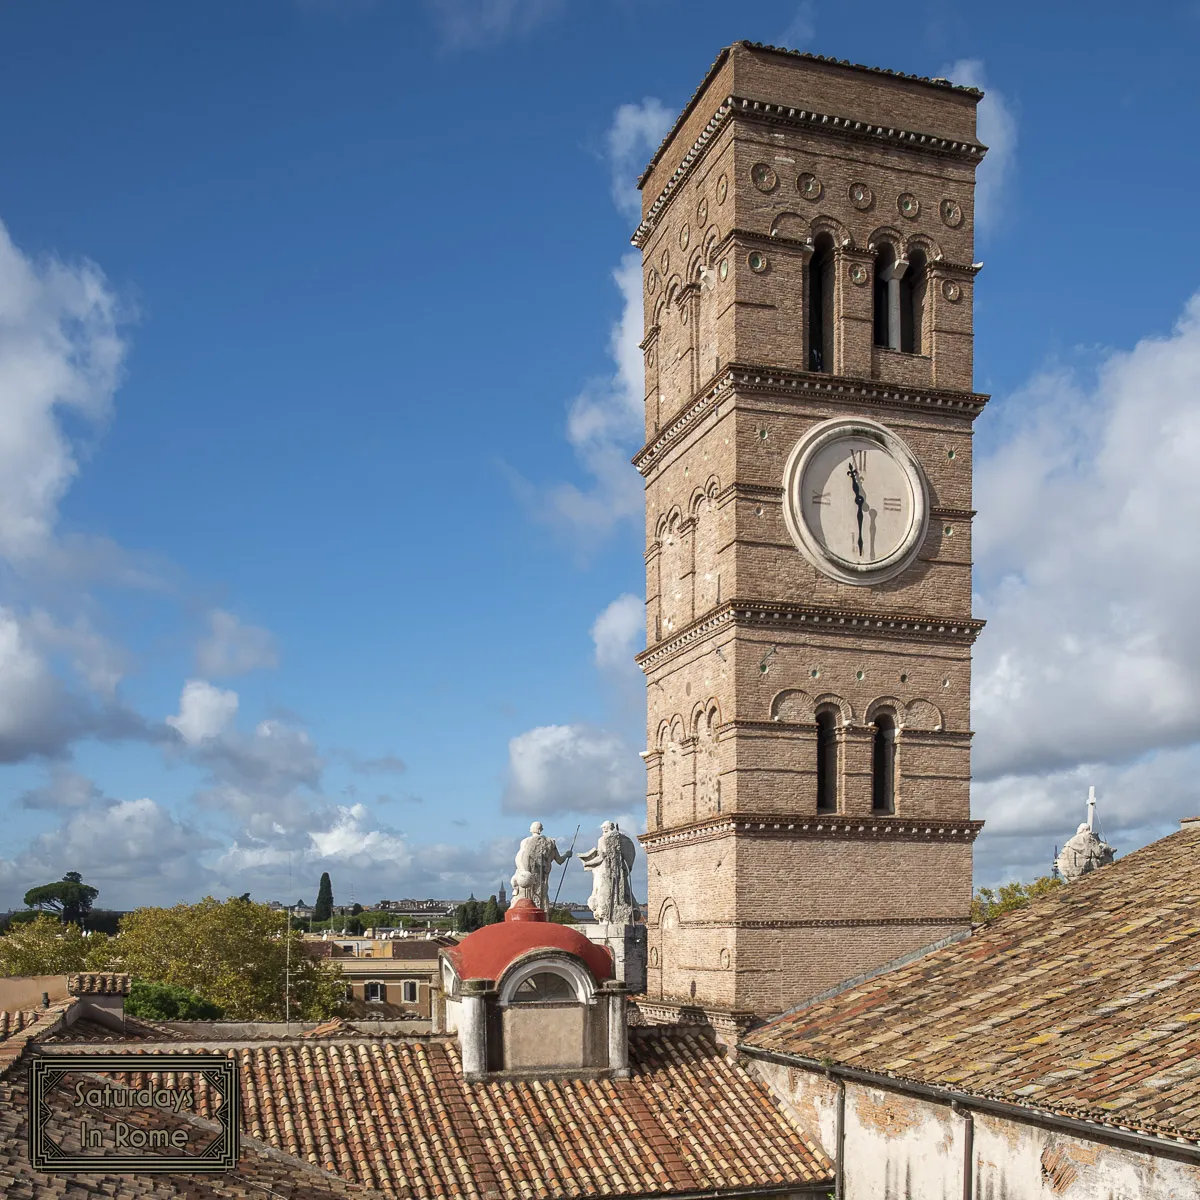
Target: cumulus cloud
[637, 130]
[469, 24]
[996, 127]
[802, 28]
[60, 352]
[64, 790]
[204, 711]
[1089, 669]
[134, 851]
[571, 768]
[619, 631]
[231, 648]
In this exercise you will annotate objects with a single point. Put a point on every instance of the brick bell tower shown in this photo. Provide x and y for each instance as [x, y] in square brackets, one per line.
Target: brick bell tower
[807, 245]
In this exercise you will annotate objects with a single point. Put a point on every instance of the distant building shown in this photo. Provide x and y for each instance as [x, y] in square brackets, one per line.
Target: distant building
[424, 909]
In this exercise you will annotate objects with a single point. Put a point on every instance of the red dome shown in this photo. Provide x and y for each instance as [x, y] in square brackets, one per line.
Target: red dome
[488, 952]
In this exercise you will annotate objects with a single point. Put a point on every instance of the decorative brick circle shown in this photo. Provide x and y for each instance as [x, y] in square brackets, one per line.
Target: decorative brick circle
[858, 274]
[809, 186]
[763, 177]
[702, 210]
[722, 189]
[908, 205]
[757, 261]
[952, 213]
[951, 290]
[861, 196]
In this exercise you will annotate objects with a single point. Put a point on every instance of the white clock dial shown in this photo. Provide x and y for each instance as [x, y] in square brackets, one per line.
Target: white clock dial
[855, 500]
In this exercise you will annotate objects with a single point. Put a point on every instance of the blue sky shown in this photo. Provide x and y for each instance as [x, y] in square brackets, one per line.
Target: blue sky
[319, 548]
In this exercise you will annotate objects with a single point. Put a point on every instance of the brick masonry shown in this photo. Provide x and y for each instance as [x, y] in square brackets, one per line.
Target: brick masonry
[746, 640]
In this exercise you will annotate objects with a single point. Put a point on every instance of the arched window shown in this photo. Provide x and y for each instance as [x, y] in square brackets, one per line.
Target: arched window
[883, 765]
[820, 304]
[546, 985]
[827, 762]
[912, 304]
[889, 271]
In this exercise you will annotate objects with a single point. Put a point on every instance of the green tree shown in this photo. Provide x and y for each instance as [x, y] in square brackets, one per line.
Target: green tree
[561, 916]
[167, 1002]
[70, 897]
[491, 912]
[323, 909]
[469, 916]
[353, 925]
[986, 903]
[355, 909]
[45, 946]
[235, 953]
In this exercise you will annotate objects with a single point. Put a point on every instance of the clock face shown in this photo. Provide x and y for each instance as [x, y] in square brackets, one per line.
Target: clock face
[855, 500]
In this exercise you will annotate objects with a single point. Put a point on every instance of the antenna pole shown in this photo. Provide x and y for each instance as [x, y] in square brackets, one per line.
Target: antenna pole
[564, 874]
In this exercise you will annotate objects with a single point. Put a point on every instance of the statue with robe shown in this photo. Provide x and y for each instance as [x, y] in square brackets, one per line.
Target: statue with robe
[610, 863]
[535, 861]
[1083, 853]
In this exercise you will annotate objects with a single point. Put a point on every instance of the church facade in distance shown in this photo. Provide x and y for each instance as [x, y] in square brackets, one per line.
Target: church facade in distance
[807, 243]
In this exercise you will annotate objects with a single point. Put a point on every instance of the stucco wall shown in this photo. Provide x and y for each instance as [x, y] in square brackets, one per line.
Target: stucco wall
[25, 991]
[900, 1147]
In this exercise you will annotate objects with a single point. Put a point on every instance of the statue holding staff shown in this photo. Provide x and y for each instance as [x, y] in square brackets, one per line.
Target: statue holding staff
[610, 862]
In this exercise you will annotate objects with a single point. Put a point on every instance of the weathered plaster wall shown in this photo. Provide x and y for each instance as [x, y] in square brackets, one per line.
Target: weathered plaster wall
[900, 1147]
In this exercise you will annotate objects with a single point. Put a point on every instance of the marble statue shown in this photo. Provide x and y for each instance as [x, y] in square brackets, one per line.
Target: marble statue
[611, 901]
[1083, 853]
[535, 861]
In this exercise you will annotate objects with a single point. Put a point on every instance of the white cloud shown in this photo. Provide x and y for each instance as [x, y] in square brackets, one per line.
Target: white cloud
[204, 711]
[466, 24]
[59, 351]
[572, 768]
[1088, 569]
[64, 790]
[802, 28]
[232, 648]
[618, 632]
[134, 851]
[636, 132]
[996, 128]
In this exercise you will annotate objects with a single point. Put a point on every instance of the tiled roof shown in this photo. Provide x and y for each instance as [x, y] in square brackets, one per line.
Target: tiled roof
[98, 983]
[14, 1022]
[399, 1117]
[1086, 1003]
[260, 1171]
[84, 1029]
[800, 54]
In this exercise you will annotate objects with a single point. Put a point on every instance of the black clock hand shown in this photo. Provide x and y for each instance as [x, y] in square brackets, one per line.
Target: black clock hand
[860, 500]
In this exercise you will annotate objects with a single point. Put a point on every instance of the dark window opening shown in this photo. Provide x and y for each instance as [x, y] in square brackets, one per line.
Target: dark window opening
[375, 991]
[543, 986]
[827, 754]
[820, 305]
[885, 263]
[883, 766]
[912, 304]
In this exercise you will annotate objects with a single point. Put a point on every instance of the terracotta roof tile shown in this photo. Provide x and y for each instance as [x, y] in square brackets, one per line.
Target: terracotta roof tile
[98, 983]
[398, 1116]
[1085, 1003]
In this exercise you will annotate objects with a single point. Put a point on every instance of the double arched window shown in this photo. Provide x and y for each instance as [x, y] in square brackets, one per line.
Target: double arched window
[900, 300]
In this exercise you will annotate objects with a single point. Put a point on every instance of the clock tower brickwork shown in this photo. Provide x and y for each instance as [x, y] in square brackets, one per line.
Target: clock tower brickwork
[787, 184]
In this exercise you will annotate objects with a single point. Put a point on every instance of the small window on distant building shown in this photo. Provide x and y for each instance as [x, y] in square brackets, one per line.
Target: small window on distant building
[409, 988]
[543, 986]
[375, 991]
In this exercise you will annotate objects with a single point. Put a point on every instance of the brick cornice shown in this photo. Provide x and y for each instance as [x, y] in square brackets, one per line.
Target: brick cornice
[827, 124]
[747, 378]
[757, 614]
[826, 827]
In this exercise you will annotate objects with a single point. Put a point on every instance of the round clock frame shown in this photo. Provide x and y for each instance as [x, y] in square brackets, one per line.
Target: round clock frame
[819, 438]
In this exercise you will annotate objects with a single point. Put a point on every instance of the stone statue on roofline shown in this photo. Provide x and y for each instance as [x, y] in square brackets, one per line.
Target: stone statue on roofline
[610, 863]
[535, 861]
[1084, 852]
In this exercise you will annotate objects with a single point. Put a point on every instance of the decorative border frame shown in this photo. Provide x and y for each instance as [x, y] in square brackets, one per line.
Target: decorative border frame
[46, 1071]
